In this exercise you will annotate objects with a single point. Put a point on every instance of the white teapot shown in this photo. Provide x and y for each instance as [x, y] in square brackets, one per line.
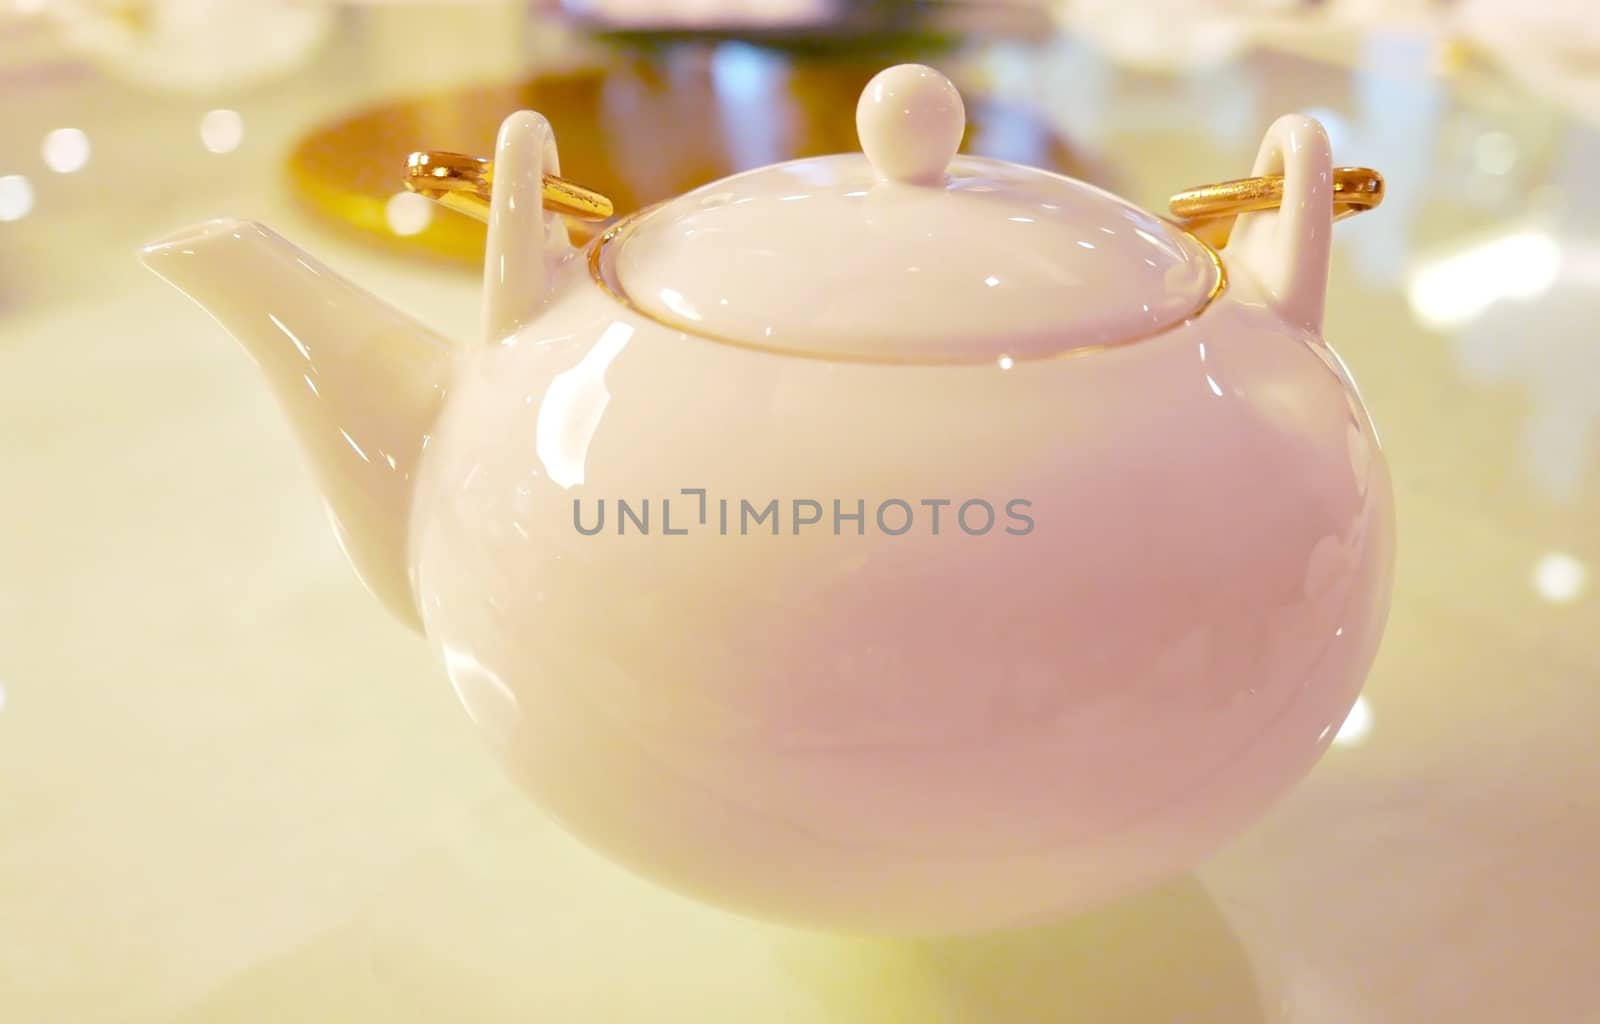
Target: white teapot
[899, 542]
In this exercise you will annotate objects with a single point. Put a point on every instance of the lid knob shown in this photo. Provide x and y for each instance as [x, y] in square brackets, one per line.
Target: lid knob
[911, 120]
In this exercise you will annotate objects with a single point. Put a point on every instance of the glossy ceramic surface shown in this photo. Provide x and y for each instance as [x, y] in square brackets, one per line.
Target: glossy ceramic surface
[235, 790]
[1001, 261]
[1096, 666]
[641, 127]
[359, 381]
[845, 717]
[908, 253]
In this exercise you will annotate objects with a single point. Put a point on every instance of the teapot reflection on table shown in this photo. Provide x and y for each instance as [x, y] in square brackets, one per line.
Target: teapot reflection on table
[883, 705]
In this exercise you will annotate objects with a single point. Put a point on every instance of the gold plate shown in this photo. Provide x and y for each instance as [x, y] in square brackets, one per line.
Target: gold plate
[639, 131]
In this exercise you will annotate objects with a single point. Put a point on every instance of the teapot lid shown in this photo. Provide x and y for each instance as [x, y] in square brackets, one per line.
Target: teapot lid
[908, 252]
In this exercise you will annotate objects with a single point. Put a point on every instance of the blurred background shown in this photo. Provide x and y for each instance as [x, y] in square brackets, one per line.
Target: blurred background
[231, 790]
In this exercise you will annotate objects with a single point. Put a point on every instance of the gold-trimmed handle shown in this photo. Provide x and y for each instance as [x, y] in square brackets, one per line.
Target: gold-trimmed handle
[1209, 211]
[462, 183]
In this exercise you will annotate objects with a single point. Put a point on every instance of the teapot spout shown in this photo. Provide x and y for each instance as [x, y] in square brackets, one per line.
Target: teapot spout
[361, 382]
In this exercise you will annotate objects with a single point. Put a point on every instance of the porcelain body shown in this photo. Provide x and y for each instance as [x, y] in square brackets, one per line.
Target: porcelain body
[920, 732]
[844, 723]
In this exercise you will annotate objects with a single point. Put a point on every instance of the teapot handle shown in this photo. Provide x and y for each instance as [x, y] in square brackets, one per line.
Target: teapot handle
[1286, 249]
[522, 236]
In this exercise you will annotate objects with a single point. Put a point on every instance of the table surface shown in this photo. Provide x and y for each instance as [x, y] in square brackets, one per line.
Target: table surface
[232, 790]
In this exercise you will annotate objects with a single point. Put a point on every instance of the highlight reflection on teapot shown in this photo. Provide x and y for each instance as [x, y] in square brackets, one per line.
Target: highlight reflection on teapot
[917, 733]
